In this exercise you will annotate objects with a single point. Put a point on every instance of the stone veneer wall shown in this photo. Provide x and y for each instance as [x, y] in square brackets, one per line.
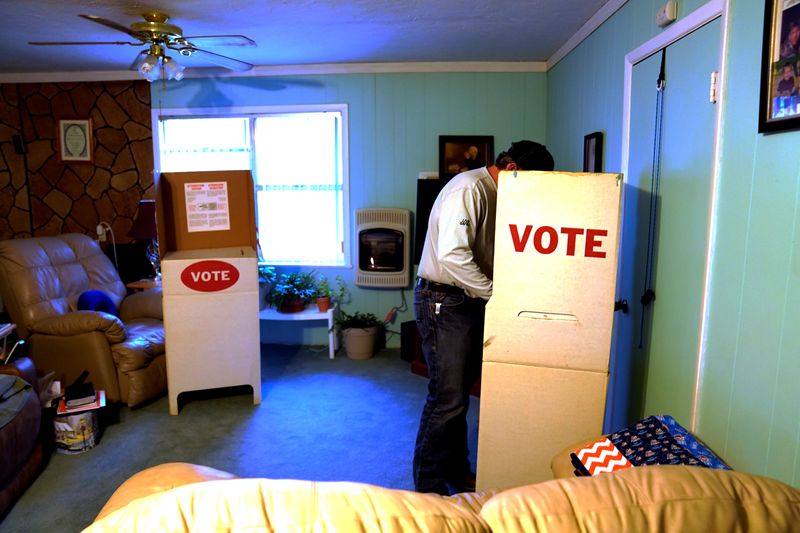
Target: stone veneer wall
[39, 195]
[14, 203]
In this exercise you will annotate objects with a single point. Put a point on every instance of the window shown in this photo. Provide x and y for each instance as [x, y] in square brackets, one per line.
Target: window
[298, 160]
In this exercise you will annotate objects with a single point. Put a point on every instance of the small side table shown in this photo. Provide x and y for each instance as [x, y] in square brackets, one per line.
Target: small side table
[144, 284]
[310, 313]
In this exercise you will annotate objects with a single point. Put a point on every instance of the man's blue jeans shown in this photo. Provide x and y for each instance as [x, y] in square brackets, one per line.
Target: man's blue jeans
[451, 327]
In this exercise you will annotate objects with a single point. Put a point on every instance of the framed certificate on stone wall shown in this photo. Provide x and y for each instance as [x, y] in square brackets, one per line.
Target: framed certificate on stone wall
[75, 140]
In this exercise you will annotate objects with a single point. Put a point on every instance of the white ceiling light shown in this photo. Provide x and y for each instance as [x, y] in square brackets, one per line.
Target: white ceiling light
[155, 64]
[173, 69]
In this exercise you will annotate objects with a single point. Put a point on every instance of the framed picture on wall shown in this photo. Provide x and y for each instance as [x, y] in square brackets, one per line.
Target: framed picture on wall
[779, 107]
[458, 153]
[75, 140]
[593, 152]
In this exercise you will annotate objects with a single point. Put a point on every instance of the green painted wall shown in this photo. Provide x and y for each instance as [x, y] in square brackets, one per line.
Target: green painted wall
[395, 123]
[749, 396]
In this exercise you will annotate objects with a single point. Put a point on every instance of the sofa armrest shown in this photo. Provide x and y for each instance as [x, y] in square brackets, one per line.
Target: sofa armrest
[22, 368]
[561, 464]
[79, 322]
[159, 478]
[144, 304]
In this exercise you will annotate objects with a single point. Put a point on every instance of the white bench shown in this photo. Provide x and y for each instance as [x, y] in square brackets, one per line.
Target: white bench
[310, 313]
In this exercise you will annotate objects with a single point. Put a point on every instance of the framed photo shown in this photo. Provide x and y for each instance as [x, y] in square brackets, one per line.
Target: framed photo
[593, 152]
[458, 153]
[75, 140]
[779, 107]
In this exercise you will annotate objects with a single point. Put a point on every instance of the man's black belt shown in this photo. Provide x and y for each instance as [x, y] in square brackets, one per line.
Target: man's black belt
[424, 284]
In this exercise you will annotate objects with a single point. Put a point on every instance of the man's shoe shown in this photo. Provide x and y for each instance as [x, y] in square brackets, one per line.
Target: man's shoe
[469, 482]
[466, 484]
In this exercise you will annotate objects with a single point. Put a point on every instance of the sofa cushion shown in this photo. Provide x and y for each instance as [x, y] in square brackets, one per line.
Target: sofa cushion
[289, 505]
[651, 498]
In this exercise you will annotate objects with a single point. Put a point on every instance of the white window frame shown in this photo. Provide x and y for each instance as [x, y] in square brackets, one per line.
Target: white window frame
[252, 112]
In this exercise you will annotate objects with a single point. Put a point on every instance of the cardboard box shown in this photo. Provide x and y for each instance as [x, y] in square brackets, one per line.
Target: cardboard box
[555, 266]
[197, 210]
[547, 336]
[211, 321]
[528, 415]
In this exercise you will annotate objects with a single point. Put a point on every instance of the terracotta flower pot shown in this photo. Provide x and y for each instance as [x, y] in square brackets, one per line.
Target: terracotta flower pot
[323, 303]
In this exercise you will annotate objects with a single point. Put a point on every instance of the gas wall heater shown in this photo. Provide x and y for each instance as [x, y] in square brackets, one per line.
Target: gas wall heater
[384, 252]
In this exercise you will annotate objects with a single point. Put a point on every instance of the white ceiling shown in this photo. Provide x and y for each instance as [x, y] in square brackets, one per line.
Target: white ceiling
[297, 32]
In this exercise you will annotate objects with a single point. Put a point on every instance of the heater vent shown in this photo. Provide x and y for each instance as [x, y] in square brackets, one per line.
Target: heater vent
[397, 217]
[384, 256]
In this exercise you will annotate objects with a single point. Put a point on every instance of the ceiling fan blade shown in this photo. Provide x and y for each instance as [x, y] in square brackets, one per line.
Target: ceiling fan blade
[44, 43]
[116, 26]
[218, 59]
[221, 40]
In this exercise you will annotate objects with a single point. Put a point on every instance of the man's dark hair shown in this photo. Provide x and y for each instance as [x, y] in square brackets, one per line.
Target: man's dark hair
[528, 155]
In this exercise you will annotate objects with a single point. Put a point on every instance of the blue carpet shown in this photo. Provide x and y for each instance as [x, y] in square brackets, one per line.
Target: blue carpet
[322, 419]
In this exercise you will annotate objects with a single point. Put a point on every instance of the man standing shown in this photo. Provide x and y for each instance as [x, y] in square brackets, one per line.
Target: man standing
[454, 284]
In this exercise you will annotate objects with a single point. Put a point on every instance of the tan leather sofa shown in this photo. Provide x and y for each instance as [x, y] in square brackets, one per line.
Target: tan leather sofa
[183, 497]
[41, 280]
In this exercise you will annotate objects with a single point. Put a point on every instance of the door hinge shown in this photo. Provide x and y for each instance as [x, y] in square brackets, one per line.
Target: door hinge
[712, 96]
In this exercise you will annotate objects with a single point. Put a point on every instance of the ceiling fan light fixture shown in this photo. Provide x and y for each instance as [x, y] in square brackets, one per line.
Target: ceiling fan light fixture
[172, 69]
[158, 35]
[149, 67]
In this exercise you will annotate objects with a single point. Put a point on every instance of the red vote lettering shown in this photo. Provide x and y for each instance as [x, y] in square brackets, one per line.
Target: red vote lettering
[552, 240]
[546, 239]
[210, 276]
[592, 242]
[572, 235]
[519, 244]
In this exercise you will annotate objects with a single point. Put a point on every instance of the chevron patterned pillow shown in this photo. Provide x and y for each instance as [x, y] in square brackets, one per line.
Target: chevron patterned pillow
[655, 440]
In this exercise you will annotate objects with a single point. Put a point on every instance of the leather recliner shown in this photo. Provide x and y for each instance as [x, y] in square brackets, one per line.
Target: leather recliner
[41, 280]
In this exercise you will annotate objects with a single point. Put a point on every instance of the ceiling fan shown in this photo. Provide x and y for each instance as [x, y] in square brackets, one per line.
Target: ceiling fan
[159, 36]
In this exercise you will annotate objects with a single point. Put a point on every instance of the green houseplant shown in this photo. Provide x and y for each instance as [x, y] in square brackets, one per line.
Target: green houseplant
[293, 291]
[326, 294]
[323, 294]
[266, 279]
[359, 333]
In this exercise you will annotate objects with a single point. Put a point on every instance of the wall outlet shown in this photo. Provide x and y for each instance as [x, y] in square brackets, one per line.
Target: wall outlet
[667, 13]
[101, 233]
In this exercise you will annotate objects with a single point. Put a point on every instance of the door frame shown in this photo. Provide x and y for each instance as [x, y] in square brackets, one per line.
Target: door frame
[706, 13]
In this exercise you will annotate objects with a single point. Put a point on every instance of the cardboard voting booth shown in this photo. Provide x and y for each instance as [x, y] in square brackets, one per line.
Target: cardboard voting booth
[209, 281]
[547, 337]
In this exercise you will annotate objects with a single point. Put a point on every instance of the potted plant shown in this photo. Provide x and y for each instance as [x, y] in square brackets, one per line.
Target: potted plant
[266, 279]
[326, 294]
[293, 291]
[359, 333]
[323, 294]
